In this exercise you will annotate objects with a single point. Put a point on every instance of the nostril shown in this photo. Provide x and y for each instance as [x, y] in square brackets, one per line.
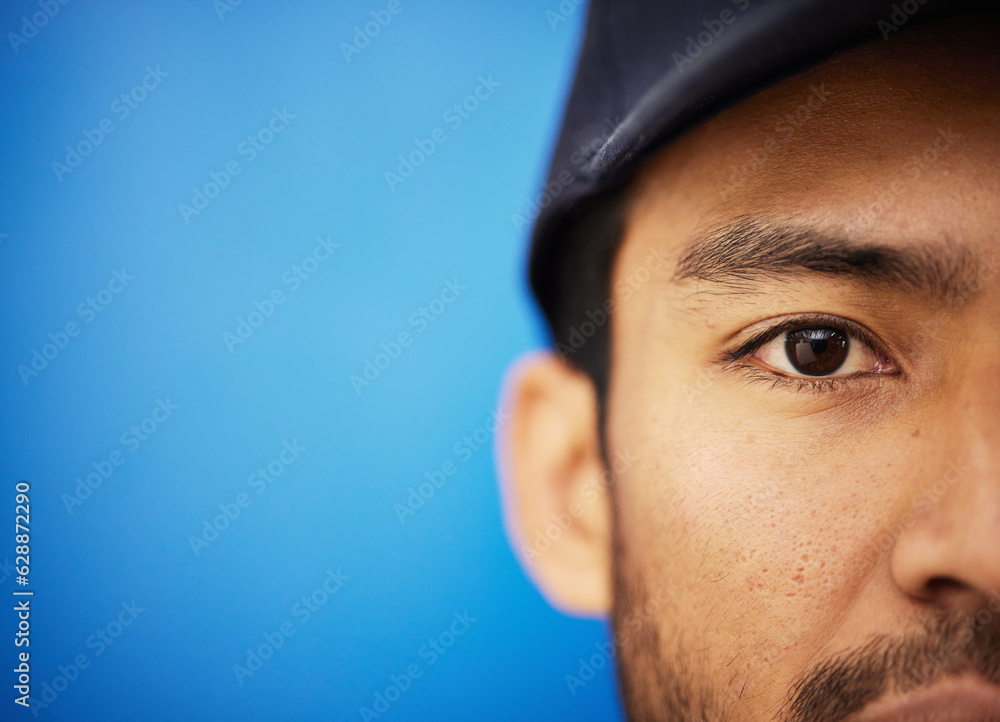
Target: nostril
[939, 586]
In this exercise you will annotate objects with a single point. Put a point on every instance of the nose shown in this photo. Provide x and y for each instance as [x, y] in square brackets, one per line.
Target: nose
[949, 555]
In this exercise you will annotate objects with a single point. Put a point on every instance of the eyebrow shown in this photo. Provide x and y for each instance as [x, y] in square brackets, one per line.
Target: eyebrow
[746, 251]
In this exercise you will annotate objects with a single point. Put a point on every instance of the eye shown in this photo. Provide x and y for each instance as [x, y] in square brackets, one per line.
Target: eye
[818, 351]
[801, 349]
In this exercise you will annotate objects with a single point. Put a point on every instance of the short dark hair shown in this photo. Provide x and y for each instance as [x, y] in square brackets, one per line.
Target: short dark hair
[575, 299]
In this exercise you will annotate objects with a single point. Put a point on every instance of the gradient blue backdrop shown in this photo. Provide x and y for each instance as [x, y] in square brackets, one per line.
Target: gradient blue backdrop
[161, 339]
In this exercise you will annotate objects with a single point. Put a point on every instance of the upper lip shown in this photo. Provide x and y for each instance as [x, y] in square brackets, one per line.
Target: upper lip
[954, 699]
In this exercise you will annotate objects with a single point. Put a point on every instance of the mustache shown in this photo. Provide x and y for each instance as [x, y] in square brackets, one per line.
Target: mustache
[950, 644]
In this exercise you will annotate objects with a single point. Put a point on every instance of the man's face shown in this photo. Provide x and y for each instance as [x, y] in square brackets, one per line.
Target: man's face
[805, 389]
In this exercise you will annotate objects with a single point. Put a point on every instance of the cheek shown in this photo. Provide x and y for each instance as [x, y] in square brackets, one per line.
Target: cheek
[762, 524]
[785, 540]
[788, 506]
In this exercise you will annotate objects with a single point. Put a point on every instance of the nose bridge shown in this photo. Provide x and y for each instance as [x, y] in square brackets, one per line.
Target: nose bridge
[954, 535]
[970, 463]
[973, 417]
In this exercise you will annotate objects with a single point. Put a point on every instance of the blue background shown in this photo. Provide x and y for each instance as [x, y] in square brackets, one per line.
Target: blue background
[161, 338]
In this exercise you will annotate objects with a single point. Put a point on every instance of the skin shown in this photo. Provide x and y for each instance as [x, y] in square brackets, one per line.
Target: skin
[754, 530]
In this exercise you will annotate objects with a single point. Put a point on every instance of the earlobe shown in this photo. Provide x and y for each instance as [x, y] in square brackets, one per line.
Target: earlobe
[555, 487]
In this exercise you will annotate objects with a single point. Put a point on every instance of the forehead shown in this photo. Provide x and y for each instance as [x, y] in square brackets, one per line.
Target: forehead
[913, 122]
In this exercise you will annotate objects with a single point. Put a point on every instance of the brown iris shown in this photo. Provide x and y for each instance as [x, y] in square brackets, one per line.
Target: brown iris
[816, 351]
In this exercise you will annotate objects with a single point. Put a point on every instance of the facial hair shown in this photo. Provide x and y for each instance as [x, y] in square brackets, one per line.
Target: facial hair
[660, 680]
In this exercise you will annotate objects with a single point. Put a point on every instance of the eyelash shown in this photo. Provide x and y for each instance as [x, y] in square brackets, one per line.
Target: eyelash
[755, 374]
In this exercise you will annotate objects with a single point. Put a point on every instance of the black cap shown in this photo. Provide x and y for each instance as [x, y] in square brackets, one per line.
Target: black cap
[649, 69]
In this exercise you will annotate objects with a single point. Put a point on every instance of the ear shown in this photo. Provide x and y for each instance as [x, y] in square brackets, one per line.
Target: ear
[555, 487]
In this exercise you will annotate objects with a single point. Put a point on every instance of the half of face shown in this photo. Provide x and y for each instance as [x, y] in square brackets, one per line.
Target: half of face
[802, 520]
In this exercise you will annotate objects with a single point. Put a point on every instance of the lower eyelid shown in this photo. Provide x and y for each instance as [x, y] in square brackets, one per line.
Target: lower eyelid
[755, 374]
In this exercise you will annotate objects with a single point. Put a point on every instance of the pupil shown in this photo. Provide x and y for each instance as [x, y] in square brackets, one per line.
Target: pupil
[816, 351]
